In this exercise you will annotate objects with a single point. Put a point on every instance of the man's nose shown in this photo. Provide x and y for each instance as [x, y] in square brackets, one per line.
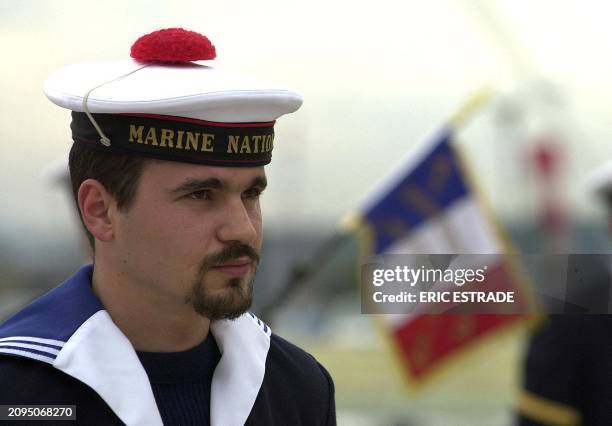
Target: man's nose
[237, 224]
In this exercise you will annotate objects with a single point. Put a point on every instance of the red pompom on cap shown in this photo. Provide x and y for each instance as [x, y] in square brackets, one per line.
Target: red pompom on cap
[173, 45]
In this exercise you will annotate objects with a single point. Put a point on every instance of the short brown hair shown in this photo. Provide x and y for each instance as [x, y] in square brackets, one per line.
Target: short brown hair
[119, 174]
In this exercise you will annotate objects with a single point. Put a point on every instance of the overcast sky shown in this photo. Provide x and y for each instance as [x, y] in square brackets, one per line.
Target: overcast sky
[377, 78]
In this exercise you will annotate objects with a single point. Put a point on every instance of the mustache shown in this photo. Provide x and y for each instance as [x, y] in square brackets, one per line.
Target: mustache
[230, 252]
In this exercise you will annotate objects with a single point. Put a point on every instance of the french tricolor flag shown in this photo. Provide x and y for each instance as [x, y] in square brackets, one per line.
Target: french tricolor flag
[429, 206]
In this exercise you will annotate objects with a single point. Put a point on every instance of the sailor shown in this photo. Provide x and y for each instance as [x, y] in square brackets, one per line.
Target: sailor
[167, 170]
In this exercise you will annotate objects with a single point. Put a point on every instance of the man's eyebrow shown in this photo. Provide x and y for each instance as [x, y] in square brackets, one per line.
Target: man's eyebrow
[192, 185]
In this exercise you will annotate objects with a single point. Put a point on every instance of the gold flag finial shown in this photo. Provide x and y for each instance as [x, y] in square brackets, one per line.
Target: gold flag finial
[467, 110]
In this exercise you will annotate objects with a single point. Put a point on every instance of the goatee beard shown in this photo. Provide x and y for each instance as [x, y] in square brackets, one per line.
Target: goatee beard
[237, 295]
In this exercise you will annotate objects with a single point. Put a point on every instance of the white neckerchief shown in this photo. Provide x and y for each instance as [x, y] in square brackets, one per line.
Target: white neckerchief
[99, 355]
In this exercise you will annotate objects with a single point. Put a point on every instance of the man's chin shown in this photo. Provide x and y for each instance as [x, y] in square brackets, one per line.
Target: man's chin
[229, 302]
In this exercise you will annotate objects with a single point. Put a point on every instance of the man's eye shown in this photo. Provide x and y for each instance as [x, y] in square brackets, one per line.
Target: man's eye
[200, 195]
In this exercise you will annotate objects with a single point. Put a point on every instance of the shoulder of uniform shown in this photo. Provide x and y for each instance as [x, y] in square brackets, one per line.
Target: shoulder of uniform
[30, 380]
[298, 374]
[297, 362]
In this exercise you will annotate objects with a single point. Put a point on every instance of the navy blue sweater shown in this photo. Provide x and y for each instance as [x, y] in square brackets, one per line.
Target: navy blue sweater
[181, 382]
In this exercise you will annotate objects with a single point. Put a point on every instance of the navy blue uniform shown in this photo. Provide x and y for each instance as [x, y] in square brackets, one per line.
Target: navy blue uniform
[63, 350]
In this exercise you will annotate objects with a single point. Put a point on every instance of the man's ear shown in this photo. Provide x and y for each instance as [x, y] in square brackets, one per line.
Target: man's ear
[95, 204]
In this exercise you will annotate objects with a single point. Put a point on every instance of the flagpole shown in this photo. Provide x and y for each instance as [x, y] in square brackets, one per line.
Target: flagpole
[301, 272]
[474, 103]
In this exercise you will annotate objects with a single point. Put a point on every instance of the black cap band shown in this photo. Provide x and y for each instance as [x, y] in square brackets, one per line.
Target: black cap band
[178, 138]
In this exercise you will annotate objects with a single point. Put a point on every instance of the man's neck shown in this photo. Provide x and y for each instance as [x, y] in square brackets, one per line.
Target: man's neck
[149, 324]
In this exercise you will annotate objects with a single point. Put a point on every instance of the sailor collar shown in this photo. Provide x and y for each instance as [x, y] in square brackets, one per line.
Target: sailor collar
[69, 328]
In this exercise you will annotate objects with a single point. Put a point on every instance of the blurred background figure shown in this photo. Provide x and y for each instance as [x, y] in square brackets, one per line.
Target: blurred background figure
[568, 366]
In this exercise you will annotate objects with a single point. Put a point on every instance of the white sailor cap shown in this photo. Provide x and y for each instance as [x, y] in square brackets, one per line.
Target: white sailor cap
[162, 104]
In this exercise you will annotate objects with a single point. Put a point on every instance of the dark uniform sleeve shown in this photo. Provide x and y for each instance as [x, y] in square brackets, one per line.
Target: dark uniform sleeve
[568, 373]
[29, 382]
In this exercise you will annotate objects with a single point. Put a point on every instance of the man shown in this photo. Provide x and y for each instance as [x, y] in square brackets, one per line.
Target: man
[167, 171]
[568, 367]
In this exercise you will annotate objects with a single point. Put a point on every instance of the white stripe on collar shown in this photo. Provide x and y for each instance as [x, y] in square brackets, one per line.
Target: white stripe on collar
[27, 354]
[50, 351]
[34, 340]
[32, 347]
